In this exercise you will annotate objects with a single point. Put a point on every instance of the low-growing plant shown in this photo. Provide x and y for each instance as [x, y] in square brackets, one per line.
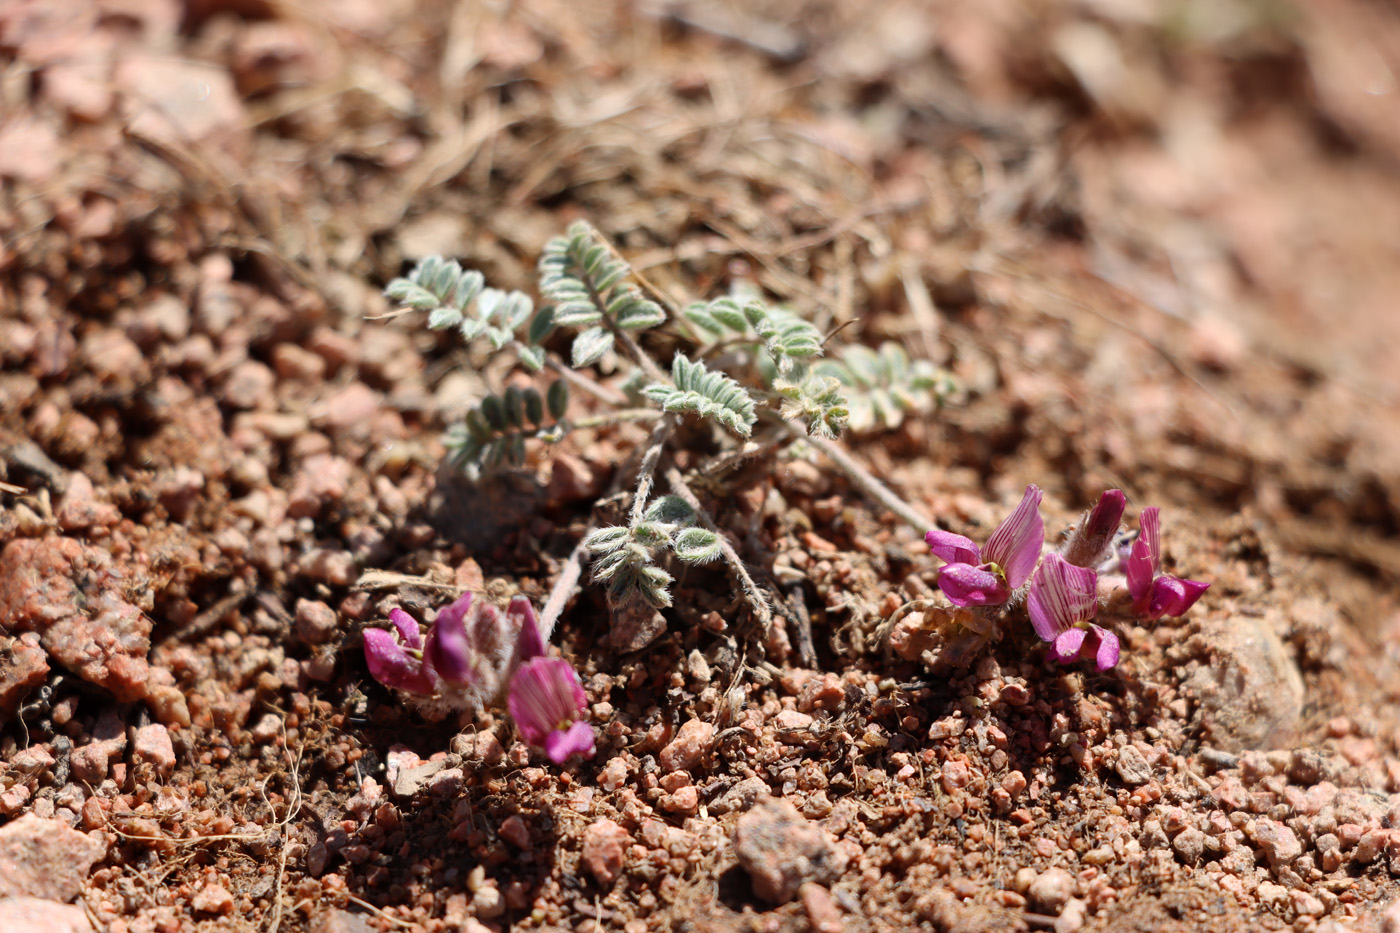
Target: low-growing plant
[761, 377]
[759, 374]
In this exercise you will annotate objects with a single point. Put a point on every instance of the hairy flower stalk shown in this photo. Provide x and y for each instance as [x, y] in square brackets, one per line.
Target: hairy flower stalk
[1090, 543]
[974, 577]
[1062, 601]
[1155, 594]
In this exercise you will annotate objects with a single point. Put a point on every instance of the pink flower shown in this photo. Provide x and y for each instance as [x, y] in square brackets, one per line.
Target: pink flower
[547, 701]
[976, 578]
[469, 654]
[1155, 594]
[1062, 600]
[398, 662]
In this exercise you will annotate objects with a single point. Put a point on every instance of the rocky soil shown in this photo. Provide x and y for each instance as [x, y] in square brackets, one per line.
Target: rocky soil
[1156, 243]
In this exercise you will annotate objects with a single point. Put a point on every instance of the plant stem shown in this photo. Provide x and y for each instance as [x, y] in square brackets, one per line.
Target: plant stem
[563, 588]
[646, 473]
[618, 417]
[867, 483]
[601, 392]
[755, 596]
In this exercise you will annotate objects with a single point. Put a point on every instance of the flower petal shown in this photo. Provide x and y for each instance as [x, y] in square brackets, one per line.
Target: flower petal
[390, 665]
[1151, 524]
[953, 548]
[1107, 654]
[1138, 570]
[1061, 596]
[1067, 645]
[576, 740]
[521, 614]
[1015, 544]
[448, 649]
[544, 693]
[1091, 541]
[1172, 596]
[967, 585]
[408, 628]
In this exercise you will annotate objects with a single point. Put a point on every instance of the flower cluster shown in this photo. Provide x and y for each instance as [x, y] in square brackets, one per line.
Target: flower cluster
[1063, 599]
[470, 655]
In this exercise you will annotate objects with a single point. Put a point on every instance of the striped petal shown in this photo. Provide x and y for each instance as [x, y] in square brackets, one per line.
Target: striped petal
[1015, 544]
[392, 666]
[545, 697]
[1062, 595]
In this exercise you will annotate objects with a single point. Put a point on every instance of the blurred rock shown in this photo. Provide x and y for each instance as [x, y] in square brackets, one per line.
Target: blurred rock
[180, 101]
[1051, 890]
[38, 915]
[604, 848]
[780, 850]
[44, 858]
[1250, 691]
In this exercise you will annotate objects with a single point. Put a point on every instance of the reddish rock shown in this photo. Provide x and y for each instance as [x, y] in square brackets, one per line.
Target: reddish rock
[181, 101]
[781, 850]
[152, 744]
[573, 479]
[213, 900]
[689, 745]
[250, 385]
[349, 410]
[23, 666]
[322, 479]
[39, 915]
[604, 849]
[1278, 842]
[44, 858]
[316, 623]
[113, 358]
[514, 831]
[329, 566]
[79, 509]
[1051, 890]
[72, 598]
[340, 921]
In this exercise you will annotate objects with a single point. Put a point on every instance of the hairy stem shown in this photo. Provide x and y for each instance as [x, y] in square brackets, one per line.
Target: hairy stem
[646, 473]
[563, 588]
[601, 392]
[867, 483]
[755, 596]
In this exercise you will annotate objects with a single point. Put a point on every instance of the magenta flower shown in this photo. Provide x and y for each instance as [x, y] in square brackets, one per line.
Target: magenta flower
[547, 700]
[1155, 594]
[1062, 600]
[398, 662]
[467, 658]
[973, 577]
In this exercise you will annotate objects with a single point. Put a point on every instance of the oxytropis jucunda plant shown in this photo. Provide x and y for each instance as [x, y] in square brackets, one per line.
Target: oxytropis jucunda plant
[752, 371]
[473, 655]
[1075, 597]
